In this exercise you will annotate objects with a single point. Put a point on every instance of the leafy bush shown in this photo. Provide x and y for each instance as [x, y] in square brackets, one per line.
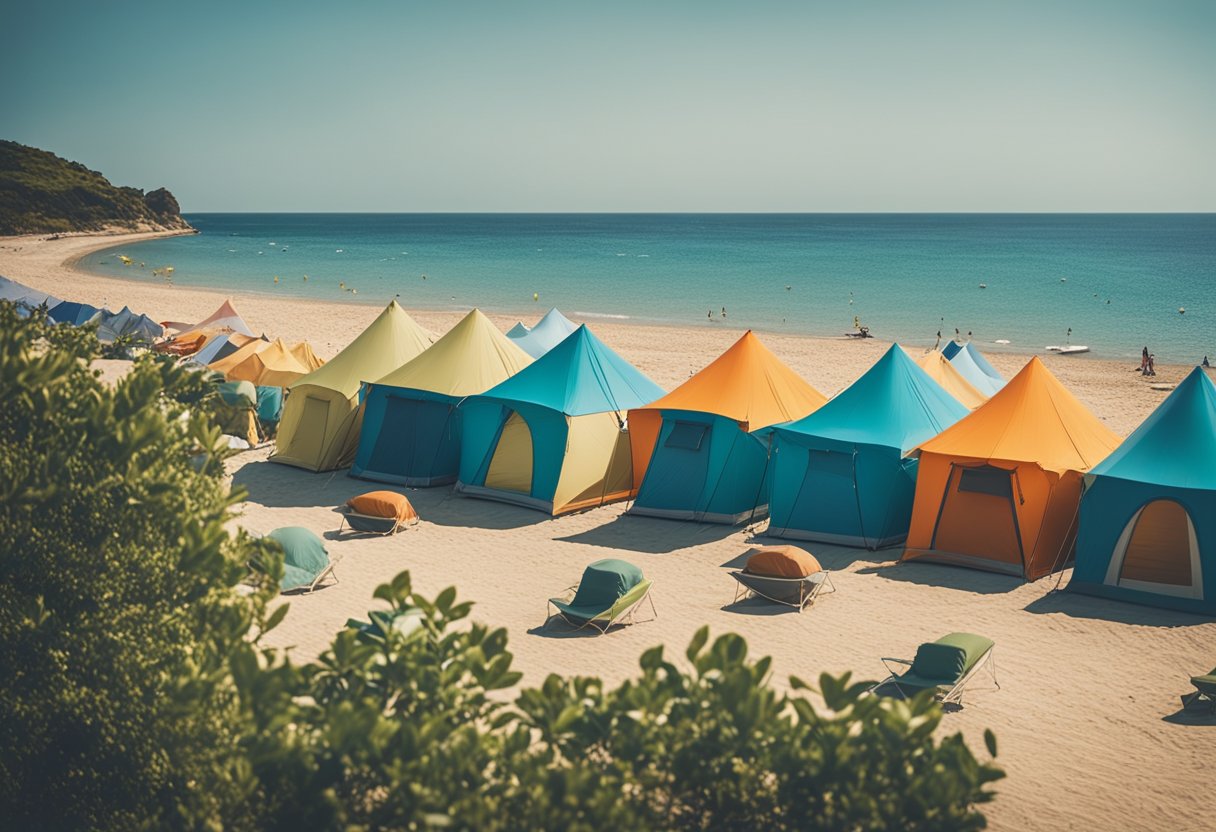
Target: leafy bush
[137, 693]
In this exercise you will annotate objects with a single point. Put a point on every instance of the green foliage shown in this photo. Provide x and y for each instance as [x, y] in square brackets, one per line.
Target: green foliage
[40, 192]
[137, 693]
[116, 609]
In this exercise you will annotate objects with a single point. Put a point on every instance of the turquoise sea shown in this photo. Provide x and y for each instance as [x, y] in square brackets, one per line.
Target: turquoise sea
[1117, 280]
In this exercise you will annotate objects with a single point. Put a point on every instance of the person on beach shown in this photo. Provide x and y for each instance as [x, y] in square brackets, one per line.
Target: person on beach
[1151, 369]
[723, 311]
[1143, 360]
[1205, 362]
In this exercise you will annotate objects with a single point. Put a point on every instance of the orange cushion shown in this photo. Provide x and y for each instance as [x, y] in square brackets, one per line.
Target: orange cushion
[383, 504]
[782, 562]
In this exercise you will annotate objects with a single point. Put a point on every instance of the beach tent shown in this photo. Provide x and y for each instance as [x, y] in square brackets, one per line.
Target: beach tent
[24, 296]
[972, 365]
[224, 319]
[211, 350]
[235, 357]
[125, 323]
[71, 312]
[696, 451]
[411, 422]
[518, 331]
[999, 490]
[941, 370]
[319, 429]
[550, 331]
[552, 437]
[1148, 517]
[840, 475]
[274, 366]
[303, 352]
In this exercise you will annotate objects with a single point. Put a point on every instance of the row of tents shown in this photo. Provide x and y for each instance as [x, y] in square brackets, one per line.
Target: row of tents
[937, 452]
[111, 326]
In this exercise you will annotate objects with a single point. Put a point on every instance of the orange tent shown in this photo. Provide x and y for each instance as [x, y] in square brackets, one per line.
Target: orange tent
[275, 366]
[743, 390]
[955, 383]
[225, 364]
[303, 352]
[999, 490]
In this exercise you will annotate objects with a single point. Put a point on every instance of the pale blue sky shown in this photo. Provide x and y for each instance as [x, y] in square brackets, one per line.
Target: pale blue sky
[626, 106]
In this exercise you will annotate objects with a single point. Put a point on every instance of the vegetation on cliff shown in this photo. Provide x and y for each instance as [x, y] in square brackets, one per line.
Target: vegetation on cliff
[41, 192]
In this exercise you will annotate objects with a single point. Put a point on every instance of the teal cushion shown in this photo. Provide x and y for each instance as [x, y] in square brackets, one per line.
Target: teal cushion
[304, 556]
[604, 582]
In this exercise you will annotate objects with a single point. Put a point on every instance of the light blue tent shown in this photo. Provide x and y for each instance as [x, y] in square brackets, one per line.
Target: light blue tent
[550, 331]
[1147, 530]
[126, 323]
[840, 475]
[972, 365]
[71, 312]
[552, 437]
[25, 298]
[210, 351]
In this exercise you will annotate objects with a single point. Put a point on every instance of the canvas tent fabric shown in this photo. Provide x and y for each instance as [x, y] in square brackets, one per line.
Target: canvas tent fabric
[972, 365]
[71, 312]
[126, 324]
[552, 437]
[411, 422]
[550, 331]
[1148, 516]
[25, 296]
[227, 363]
[840, 474]
[319, 430]
[274, 366]
[696, 452]
[224, 319]
[1000, 489]
[211, 350]
[941, 370]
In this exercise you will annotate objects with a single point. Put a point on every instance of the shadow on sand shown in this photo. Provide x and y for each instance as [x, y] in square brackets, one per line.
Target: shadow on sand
[1076, 605]
[950, 577]
[758, 607]
[651, 535]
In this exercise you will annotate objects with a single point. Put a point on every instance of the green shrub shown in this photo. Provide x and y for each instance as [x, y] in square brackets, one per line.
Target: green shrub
[136, 692]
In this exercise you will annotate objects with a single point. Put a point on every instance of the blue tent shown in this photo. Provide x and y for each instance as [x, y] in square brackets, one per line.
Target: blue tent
[552, 436]
[840, 475]
[126, 323]
[1147, 530]
[972, 365]
[550, 331]
[25, 298]
[70, 312]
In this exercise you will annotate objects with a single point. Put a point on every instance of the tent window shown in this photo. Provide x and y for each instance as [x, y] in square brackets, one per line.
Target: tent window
[994, 482]
[686, 436]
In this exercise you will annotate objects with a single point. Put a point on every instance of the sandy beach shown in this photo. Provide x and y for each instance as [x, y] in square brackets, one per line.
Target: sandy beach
[1089, 689]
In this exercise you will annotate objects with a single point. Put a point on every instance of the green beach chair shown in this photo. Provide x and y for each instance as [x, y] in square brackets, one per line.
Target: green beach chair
[1203, 698]
[946, 666]
[305, 561]
[610, 592]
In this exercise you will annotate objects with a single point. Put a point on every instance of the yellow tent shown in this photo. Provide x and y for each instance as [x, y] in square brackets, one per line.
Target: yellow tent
[321, 419]
[944, 373]
[411, 422]
[274, 366]
[999, 489]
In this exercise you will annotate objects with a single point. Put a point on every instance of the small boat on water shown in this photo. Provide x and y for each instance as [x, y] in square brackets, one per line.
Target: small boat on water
[1069, 350]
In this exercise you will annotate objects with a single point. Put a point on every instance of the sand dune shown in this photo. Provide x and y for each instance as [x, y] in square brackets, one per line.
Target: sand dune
[1087, 714]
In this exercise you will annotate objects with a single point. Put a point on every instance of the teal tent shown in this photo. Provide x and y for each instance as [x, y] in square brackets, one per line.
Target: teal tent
[552, 437]
[972, 365]
[840, 475]
[550, 331]
[1147, 527]
[71, 312]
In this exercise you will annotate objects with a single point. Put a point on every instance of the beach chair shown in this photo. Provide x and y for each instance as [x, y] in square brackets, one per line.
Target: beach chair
[946, 666]
[784, 575]
[1203, 698]
[306, 562]
[378, 512]
[610, 592]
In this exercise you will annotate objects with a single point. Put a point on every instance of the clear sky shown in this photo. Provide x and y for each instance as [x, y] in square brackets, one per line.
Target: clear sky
[1083, 105]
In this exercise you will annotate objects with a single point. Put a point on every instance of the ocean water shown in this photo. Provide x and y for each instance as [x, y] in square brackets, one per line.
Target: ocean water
[1118, 281]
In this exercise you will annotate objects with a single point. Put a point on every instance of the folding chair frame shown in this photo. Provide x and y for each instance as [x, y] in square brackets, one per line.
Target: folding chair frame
[627, 615]
[954, 695]
[398, 523]
[743, 591]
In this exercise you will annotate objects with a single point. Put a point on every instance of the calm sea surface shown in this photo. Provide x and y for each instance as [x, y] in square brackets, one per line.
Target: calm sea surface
[1118, 281]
